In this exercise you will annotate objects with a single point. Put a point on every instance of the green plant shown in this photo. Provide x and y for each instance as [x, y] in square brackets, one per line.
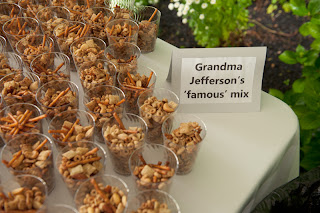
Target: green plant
[273, 6]
[146, 2]
[213, 21]
[304, 97]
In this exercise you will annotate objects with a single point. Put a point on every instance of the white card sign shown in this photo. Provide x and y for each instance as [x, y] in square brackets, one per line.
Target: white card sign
[218, 79]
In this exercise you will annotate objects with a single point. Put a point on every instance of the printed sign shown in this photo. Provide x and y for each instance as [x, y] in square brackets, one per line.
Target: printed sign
[221, 81]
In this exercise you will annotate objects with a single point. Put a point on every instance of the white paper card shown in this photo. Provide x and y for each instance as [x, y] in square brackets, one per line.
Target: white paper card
[218, 79]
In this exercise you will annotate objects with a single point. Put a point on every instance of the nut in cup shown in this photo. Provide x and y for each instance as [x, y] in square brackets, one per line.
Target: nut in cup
[122, 142]
[79, 162]
[19, 119]
[71, 126]
[31, 46]
[7, 12]
[155, 105]
[148, 18]
[92, 73]
[30, 153]
[9, 63]
[51, 66]
[122, 30]
[135, 84]
[183, 134]
[160, 202]
[33, 189]
[153, 166]
[102, 193]
[57, 96]
[87, 49]
[14, 33]
[19, 87]
[125, 56]
[98, 18]
[101, 102]
[50, 17]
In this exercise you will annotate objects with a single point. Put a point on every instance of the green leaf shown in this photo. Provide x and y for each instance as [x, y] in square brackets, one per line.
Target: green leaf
[311, 93]
[310, 120]
[305, 137]
[286, 7]
[311, 155]
[288, 57]
[300, 50]
[311, 57]
[276, 93]
[316, 44]
[315, 19]
[298, 7]
[298, 85]
[304, 29]
[314, 30]
[314, 6]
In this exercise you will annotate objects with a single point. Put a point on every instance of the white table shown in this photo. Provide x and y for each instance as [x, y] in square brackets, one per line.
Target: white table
[243, 158]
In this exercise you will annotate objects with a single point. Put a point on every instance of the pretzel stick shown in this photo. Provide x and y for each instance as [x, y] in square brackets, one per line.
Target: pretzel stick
[15, 157]
[85, 161]
[142, 159]
[98, 16]
[44, 40]
[37, 118]
[58, 67]
[57, 131]
[74, 29]
[96, 187]
[91, 152]
[70, 131]
[41, 145]
[88, 4]
[120, 102]
[79, 32]
[66, 31]
[129, 131]
[33, 13]
[84, 30]
[154, 13]
[131, 80]
[75, 12]
[115, 115]
[111, 30]
[11, 13]
[150, 76]
[19, 24]
[109, 19]
[13, 118]
[22, 28]
[59, 96]
[20, 121]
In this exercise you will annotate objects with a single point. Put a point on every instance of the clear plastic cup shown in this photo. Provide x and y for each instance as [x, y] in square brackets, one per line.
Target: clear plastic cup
[148, 18]
[9, 63]
[14, 34]
[48, 101]
[60, 127]
[61, 208]
[8, 11]
[124, 56]
[31, 46]
[75, 168]
[30, 8]
[126, 31]
[3, 44]
[20, 112]
[121, 9]
[77, 7]
[183, 133]
[51, 17]
[26, 85]
[165, 201]
[122, 143]
[64, 40]
[98, 24]
[147, 171]
[155, 105]
[101, 102]
[97, 72]
[51, 66]
[33, 160]
[132, 91]
[113, 189]
[87, 49]
[27, 186]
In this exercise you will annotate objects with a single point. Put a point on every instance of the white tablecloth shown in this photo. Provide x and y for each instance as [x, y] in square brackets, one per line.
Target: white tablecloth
[243, 158]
